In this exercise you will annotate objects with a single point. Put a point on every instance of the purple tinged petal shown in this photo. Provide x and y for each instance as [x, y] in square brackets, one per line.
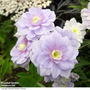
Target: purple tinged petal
[46, 48]
[34, 59]
[64, 57]
[20, 23]
[26, 67]
[31, 34]
[34, 28]
[52, 16]
[14, 52]
[44, 71]
[42, 58]
[69, 52]
[55, 70]
[64, 65]
[51, 27]
[48, 63]
[46, 24]
[21, 60]
[65, 73]
[40, 31]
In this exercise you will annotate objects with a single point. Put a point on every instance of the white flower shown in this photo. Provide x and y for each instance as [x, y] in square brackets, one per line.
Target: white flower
[77, 28]
[85, 15]
[18, 7]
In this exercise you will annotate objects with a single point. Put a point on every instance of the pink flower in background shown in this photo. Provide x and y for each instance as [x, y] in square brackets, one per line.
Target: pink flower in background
[54, 55]
[20, 53]
[36, 22]
[85, 14]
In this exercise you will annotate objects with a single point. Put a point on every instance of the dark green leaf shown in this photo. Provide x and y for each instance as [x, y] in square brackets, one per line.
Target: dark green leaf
[22, 74]
[2, 40]
[81, 62]
[27, 81]
[4, 67]
[2, 61]
[80, 73]
[33, 72]
[88, 74]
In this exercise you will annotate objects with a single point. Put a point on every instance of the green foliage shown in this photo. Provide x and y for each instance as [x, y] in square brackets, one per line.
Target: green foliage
[22, 74]
[7, 41]
[30, 80]
[27, 81]
[4, 68]
[83, 66]
[33, 72]
[81, 4]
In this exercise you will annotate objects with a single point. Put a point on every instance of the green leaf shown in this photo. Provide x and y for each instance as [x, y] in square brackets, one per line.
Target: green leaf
[2, 40]
[88, 74]
[2, 61]
[22, 74]
[9, 69]
[31, 69]
[85, 43]
[0, 17]
[33, 72]
[81, 62]
[80, 73]
[4, 67]
[27, 81]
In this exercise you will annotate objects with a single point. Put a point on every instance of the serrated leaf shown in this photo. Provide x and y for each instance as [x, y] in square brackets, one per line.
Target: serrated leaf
[4, 68]
[22, 74]
[27, 81]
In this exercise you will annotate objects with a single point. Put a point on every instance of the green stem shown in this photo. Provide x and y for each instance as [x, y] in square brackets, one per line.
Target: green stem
[86, 68]
[85, 81]
[84, 46]
[39, 84]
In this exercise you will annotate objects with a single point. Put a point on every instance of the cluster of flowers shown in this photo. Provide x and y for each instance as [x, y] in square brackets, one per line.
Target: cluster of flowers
[53, 50]
[18, 7]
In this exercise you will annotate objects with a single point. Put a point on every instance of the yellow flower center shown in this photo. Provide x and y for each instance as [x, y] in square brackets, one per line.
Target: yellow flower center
[75, 31]
[35, 19]
[63, 86]
[21, 46]
[56, 54]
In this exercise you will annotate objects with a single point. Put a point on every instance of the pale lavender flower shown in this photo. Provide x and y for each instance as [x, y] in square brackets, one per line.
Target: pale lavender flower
[54, 55]
[20, 53]
[74, 77]
[85, 14]
[70, 35]
[64, 82]
[36, 22]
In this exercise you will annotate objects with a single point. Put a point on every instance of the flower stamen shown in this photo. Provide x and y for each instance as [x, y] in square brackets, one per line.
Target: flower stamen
[35, 20]
[56, 54]
[21, 46]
